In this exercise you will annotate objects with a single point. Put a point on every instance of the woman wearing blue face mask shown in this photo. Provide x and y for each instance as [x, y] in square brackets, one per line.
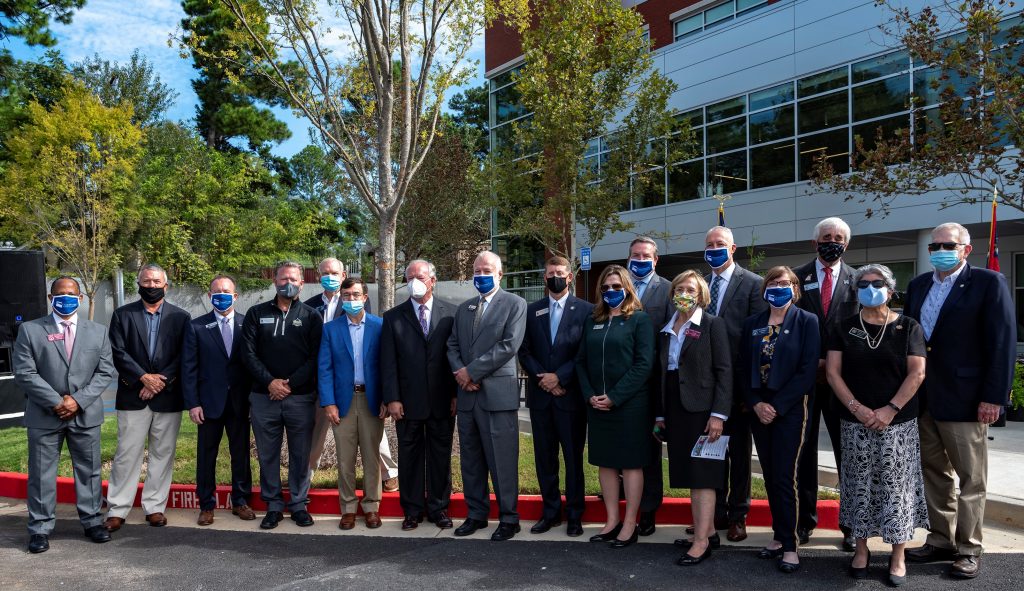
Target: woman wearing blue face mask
[613, 366]
[875, 365]
[778, 362]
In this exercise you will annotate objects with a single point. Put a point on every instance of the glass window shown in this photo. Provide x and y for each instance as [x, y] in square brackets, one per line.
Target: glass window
[593, 146]
[742, 5]
[834, 146]
[822, 82]
[730, 170]
[770, 97]
[881, 98]
[503, 78]
[685, 180]
[609, 142]
[682, 147]
[688, 26]
[773, 124]
[649, 189]
[890, 130]
[694, 117]
[882, 65]
[824, 112]
[928, 126]
[720, 13]
[726, 109]
[774, 164]
[507, 105]
[726, 136]
[929, 86]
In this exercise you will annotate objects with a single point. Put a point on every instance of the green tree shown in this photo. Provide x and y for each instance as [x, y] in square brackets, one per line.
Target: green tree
[469, 108]
[966, 146]
[587, 72]
[30, 19]
[70, 176]
[135, 82]
[319, 182]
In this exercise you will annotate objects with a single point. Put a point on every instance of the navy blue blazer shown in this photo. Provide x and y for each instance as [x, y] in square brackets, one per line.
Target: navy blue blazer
[973, 346]
[538, 355]
[209, 377]
[336, 376]
[794, 365]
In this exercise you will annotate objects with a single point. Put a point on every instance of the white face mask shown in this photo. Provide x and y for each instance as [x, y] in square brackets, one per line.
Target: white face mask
[417, 289]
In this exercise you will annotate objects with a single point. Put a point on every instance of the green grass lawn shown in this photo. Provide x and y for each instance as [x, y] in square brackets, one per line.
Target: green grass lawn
[14, 458]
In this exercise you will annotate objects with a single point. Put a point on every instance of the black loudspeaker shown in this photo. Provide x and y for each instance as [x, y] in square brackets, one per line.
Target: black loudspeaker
[23, 296]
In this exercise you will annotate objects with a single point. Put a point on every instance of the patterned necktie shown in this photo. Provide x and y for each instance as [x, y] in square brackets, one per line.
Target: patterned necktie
[479, 313]
[826, 291]
[716, 287]
[423, 319]
[69, 338]
[225, 333]
[637, 286]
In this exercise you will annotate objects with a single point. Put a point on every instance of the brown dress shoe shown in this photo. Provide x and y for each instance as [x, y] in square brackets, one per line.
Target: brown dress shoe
[737, 532]
[244, 512]
[348, 521]
[205, 518]
[372, 520]
[157, 519]
[966, 567]
[113, 523]
[390, 485]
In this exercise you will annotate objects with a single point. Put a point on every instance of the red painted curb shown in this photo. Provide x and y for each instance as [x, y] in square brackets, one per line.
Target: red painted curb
[323, 501]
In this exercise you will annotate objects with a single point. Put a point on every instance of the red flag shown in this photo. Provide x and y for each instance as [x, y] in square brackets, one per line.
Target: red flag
[993, 242]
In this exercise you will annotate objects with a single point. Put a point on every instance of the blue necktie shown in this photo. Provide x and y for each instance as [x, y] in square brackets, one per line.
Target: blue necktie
[556, 317]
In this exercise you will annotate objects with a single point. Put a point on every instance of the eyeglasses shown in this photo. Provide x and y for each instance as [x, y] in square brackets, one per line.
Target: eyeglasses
[782, 283]
[933, 246]
[877, 283]
[614, 286]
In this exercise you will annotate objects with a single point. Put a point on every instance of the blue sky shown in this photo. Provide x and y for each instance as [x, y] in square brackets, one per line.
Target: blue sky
[115, 28]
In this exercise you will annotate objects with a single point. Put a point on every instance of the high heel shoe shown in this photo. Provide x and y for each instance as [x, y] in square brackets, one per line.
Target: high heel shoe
[688, 560]
[861, 572]
[617, 543]
[896, 580]
[788, 567]
[609, 536]
[768, 553]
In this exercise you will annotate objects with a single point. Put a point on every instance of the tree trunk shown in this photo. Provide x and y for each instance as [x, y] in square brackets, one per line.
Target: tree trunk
[91, 294]
[385, 260]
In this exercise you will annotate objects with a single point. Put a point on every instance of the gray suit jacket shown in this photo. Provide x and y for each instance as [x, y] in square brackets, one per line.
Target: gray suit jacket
[741, 300]
[657, 302]
[489, 353]
[42, 371]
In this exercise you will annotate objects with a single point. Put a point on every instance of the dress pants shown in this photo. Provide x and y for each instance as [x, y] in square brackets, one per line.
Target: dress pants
[949, 447]
[388, 466]
[44, 447]
[554, 428]
[778, 448]
[426, 469]
[359, 429]
[489, 443]
[271, 420]
[733, 503]
[822, 406]
[207, 447]
[134, 428]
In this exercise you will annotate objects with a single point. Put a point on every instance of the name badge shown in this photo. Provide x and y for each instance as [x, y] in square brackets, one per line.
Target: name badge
[211, 325]
[267, 320]
[810, 286]
[759, 332]
[598, 327]
[55, 337]
[692, 334]
[542, 312]
[860, 334]
[472, 307]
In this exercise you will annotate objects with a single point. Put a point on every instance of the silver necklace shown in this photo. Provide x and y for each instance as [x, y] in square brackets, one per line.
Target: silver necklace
[873, 343]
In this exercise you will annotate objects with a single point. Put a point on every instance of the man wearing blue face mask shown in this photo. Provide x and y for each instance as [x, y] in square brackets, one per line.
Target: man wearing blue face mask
[216, 386]
[655, 293]
[967, 317]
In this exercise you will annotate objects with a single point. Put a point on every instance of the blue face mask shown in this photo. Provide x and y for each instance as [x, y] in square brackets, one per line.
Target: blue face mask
[66, 305]
[614, 297]
[483, 283]
[222, 302]
[944, 260]
[716, 257]
[330, 282]
[778, 297]
[872, 297]
[352, 307]
[640, 269]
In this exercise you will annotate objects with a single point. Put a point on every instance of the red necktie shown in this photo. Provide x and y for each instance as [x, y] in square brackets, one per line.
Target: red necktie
[826, 291]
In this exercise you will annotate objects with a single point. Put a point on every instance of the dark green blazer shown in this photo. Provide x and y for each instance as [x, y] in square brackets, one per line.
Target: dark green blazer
[615, 358]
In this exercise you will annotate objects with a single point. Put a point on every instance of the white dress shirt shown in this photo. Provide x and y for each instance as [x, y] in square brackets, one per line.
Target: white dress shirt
[723, 284]
[821, 275]
[557, 310]
[426, 312]
[355, 332]
[331, 306]
[936, 297]
[675, 344]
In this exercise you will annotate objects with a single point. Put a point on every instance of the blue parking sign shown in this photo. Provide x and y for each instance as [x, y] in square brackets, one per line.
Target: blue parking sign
[585, 258]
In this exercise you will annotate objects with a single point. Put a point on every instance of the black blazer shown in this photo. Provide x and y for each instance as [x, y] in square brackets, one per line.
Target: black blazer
[972, 350]
[209, 377]
[794, 365]
[741, 300]
[414, 370]
[129, 342]
[538, 355]
[705, 368]
[844, 299]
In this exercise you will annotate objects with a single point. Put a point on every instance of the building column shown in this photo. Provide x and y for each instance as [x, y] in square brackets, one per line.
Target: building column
[924, 237]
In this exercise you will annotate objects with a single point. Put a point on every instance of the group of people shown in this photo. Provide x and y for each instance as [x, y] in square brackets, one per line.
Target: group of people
[652, 362]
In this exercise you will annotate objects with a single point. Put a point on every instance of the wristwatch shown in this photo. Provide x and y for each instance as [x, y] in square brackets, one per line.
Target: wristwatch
[894, 407]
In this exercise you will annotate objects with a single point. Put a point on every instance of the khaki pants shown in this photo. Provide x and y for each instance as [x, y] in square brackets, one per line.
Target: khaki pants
[134, 429]
[949, 447]
[388, 466]
[360, 429]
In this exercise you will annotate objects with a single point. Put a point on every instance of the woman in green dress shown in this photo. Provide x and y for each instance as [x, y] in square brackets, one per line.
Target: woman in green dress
[613, 365]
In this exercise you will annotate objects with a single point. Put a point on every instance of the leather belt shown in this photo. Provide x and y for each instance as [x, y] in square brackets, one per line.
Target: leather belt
[359, 388]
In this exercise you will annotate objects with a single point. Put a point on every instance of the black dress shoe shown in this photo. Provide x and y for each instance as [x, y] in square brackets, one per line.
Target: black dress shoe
[544, 525]
[804, 535]
[98, 534]
[690, 530]
[617, 543]
[441, 520]
[645, 525]
[721, 523]
[929, 553]
[849, 542]
[574, 528]
[505, 531]
[860, 572]
[411, 522]
[714, 541]
[271, 519]
[788, 567]
[302, 518]
[38, 543]
[607, 537]
[896, 580]
[767, 553]
[469, 527]
[688, 560]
